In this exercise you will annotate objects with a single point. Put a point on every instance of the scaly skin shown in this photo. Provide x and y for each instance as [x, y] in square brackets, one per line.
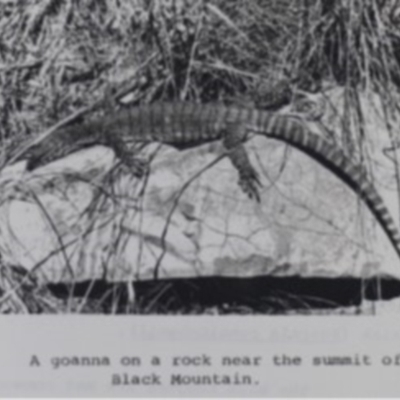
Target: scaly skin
[185, 125]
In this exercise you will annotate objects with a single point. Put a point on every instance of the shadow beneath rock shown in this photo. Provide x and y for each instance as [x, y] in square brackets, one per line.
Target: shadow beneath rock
[223, 295]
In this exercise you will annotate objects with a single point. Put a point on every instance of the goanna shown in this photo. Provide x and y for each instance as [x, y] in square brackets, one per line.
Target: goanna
[185, 125]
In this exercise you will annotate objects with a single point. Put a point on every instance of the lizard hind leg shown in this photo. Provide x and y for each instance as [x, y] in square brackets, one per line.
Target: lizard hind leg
[249, 180]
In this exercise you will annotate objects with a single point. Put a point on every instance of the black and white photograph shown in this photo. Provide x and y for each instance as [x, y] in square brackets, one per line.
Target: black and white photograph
[200, 158]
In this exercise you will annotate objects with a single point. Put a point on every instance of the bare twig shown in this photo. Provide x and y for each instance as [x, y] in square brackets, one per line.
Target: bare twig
[175, 205]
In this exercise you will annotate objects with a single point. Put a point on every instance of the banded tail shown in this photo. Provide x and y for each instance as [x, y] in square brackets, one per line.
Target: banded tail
[291, 131]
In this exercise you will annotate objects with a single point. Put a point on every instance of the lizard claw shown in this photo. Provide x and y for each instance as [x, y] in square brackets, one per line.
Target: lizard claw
[249, 183]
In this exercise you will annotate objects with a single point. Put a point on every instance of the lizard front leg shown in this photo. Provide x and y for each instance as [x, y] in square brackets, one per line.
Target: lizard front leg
[248, 176]
[138, 166]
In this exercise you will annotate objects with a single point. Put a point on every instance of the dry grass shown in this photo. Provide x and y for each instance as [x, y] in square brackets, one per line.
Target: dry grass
[60, 56]
[63, 58]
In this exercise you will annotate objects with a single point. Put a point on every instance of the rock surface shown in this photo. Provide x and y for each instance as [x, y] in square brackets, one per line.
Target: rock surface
[114, 226]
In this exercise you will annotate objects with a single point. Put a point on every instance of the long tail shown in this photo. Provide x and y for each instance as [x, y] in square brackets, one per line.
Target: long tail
[293, 132]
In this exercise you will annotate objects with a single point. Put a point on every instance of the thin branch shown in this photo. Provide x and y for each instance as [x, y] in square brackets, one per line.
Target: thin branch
[175, 205]
[56, 232]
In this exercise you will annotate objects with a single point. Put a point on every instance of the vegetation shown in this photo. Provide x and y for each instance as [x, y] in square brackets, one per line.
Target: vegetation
[61, 56]
[61, 60]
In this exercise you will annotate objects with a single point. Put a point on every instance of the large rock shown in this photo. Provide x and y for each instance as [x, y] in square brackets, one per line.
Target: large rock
[111, 225]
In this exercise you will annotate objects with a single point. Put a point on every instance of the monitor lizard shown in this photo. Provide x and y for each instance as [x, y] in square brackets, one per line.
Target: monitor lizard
[184, 125]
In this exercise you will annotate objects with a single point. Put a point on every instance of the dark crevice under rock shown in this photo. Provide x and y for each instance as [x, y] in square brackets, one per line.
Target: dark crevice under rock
[269, 295]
